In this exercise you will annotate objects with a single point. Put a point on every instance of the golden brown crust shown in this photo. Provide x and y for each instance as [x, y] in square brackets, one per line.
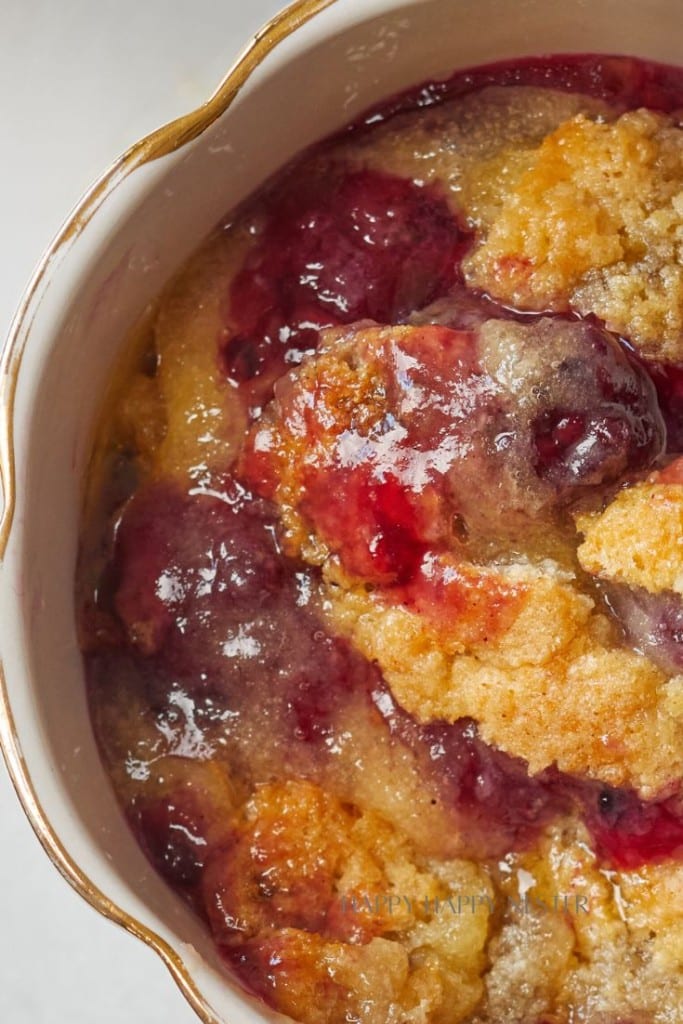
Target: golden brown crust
[519, 648]
[637, 539]
[338, 899]
[627, 954]
[498, 126]
[552, 689]
[596, 224]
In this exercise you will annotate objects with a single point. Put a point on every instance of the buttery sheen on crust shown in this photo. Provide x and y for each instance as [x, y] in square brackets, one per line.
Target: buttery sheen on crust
[638, 538]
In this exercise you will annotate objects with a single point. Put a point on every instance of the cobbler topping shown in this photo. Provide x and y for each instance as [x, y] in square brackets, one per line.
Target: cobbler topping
[636, 539]
[595, 224]
[383, 621]
[335, 249]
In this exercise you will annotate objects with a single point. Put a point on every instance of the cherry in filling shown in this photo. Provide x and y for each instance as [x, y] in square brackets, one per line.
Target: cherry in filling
[218, 630]
[396, 442]
[244, 636]
[262, 654]
[653, 623]
[335, 249]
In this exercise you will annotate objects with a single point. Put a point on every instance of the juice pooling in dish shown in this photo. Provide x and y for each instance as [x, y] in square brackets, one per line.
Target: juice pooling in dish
[381, 580]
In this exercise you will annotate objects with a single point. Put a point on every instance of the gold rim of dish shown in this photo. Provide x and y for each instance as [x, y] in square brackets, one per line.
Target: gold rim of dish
[158, 144]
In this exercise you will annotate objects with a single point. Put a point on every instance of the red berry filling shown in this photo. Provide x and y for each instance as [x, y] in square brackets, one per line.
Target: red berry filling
[320, 683]
[335, 250]
[221, 634]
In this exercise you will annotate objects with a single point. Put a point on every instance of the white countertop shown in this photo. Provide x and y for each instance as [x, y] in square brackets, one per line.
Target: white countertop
[79, 82]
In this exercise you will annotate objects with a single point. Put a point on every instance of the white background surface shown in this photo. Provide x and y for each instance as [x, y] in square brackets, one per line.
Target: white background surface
[79, 82]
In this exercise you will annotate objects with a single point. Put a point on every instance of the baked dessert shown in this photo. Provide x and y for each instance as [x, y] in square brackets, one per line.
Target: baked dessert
[381, 579]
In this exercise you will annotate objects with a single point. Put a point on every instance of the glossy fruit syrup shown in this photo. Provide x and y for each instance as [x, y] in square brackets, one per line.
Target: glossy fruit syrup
[206, 644]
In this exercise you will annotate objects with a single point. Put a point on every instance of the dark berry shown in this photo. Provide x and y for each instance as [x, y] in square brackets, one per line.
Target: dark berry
[337, 247]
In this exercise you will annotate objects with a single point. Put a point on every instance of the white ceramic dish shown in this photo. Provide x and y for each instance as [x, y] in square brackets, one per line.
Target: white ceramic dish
[312, 69]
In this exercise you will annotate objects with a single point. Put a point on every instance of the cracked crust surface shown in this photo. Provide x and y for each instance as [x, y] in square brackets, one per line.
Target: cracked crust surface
[595, 224]
[552, 689]
[520, 646]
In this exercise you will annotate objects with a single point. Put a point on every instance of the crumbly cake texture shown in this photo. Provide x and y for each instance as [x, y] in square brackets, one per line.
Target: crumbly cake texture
[518, 647]
[505, 953]
[573, 207]
[638, 538]
[595, 224]
[619, 961]
[554, 688]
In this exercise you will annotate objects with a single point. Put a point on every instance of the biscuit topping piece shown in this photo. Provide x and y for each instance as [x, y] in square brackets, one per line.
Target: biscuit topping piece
[395, 441]
[595, 224]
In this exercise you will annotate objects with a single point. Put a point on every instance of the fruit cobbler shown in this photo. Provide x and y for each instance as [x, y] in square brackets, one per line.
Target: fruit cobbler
[381, 576]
